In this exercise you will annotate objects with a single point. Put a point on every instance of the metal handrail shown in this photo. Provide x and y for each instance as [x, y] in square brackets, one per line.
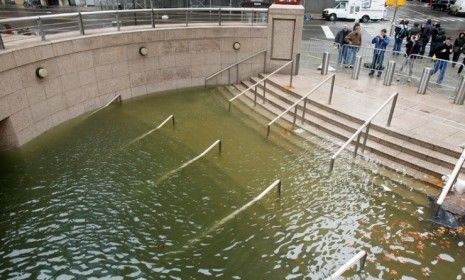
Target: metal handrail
[117, 97]
[171, 117]
[38, 25]
[332, 77]
[366, 125]
[452, 179]
[237, 64]
[264, 84]
[360, 256]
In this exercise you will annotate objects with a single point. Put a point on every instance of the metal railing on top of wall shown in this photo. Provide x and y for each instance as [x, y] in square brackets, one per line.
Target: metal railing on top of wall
[366, 125]
[22, 28]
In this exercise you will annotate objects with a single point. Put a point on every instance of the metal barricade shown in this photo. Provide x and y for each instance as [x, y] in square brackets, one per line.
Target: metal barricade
[444, 76]
[311, 52]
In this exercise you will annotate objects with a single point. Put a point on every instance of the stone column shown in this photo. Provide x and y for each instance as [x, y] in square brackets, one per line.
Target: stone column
[285, 24]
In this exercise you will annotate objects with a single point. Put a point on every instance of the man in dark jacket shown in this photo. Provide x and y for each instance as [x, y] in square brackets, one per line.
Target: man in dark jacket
[426, 32]
[380, 43]
[459, 44]
[442, 56]
[401, 31]
[438, 36]
[415, 30]
[342, 57]
[412, 49]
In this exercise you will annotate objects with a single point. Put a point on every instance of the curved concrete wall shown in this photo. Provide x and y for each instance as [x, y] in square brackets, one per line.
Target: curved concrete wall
[86, 72]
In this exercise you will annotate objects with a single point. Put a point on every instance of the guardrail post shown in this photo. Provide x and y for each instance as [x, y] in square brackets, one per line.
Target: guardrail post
[357, 144]
[303, 111]
[295, 116]
[264, 87]
[297, 63]
[264, 63]
[2, 46]
[325, 63]
[331, 165]
[41, 30]
[389, 73]
[268, 131]
[333, 79]
[219, 16]
[425, 76]
[237, 73]
[357, 67]
[366, 137]
[229, 76]
[391, 112]
[292, 74]
[152, 18]
[118, 24]
[460, 93]
[255, 99]
[81, 24]
[187, 18]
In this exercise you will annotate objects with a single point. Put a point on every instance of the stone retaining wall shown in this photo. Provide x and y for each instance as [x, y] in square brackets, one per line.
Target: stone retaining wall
[86, 72]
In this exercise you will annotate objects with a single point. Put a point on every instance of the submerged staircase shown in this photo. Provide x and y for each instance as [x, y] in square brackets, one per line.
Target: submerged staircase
[399, 152]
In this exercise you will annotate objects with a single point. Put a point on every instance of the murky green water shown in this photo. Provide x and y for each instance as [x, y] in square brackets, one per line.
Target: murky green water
[78, 203]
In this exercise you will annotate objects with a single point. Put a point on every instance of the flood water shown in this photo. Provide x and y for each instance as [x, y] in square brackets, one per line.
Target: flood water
[79, 202]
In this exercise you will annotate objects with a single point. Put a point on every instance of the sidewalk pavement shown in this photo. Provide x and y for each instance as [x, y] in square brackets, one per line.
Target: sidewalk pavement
[430, 117]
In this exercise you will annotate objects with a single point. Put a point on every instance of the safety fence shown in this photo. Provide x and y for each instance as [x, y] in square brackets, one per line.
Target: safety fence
[443, 76]
[71, 24]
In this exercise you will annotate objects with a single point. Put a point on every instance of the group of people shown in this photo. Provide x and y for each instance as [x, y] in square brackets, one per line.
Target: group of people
[416, 41]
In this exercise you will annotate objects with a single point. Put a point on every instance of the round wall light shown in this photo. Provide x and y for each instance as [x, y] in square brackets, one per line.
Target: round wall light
[41, 72]
[237, 46]
[143, 51]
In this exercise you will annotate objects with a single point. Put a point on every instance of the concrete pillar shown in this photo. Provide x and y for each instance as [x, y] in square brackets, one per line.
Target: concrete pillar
[285, 24]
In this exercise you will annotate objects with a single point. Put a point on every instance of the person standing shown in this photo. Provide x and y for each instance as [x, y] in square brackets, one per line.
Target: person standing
[401, 32]
[441, 55]
[354, 41]
[426, 32]
[415, 30]
[412, 48]
[380, 43]
[438, 36]
[339, 40]
[459, 44]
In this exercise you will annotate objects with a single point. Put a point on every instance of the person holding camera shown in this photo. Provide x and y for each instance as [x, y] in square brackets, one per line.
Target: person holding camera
[441, 57]
[380, 43]
[412, 48]
[400, 32]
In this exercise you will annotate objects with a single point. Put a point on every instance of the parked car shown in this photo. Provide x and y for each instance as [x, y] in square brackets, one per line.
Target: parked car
[442, 5]
[457, 8]
[257, 3]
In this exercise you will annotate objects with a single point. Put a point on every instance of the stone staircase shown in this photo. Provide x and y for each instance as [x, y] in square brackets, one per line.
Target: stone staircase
[420, 159]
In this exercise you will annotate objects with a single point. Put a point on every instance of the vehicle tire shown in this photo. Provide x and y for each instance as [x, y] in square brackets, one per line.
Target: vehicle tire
[365, 19]
[332, 17]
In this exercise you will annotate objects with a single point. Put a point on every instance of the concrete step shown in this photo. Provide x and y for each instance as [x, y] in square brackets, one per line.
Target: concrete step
[350, 125]
[396, 172]
[453, 152]
[312, 121]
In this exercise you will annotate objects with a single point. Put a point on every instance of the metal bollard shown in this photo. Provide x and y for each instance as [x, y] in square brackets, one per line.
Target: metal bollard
[425, 76]
[2, 46]
[460, 93]
[389, 73]
[325, 63]
[358, 66]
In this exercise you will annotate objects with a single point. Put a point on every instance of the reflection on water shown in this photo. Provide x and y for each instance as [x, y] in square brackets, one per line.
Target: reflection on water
[74, 203]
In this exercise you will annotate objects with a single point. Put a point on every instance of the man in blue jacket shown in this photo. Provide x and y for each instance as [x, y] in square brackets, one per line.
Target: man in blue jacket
[380, 43]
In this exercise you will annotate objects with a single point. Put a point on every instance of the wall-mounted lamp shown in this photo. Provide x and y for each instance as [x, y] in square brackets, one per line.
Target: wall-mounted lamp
[41, 72]
[143, 51]
[236, 46]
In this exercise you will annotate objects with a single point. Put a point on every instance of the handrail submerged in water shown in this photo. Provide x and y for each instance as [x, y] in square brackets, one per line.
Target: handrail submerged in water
[366, 125]
[360, 256]
[332, 77]
[452, 179]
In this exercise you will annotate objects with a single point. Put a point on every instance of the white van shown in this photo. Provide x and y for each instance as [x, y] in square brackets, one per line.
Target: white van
[362, 10]
[457, 8]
